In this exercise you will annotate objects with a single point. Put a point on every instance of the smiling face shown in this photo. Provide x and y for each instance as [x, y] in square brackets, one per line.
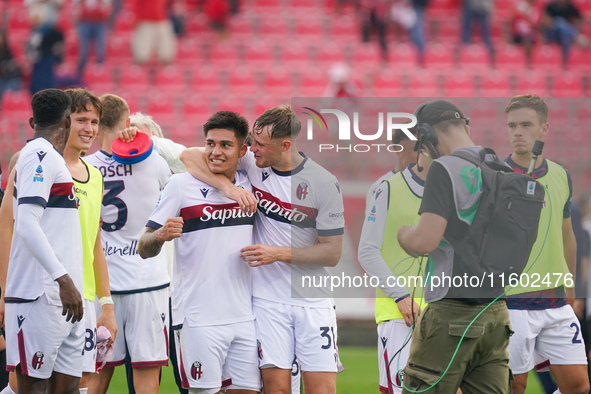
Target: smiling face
[222, 151]
[524, 128]
[84, 129]
[267, 151]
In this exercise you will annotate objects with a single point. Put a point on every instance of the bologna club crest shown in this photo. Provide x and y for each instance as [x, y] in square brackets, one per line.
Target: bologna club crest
[260, 347]
[37, 361]
[196, 370]
[302, 191]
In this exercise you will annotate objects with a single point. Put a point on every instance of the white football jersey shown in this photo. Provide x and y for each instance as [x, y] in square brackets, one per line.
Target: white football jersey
[43, 178]
[211, 284]
[295, 207]
[131, 193]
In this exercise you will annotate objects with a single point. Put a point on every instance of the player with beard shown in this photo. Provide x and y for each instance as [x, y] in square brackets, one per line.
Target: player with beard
[298, 234]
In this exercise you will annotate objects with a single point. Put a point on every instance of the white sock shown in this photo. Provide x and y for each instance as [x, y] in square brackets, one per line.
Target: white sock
[82, 390]
[7, 390]
[556, 392]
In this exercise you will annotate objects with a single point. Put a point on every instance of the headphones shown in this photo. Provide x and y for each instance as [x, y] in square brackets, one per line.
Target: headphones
[426, 135]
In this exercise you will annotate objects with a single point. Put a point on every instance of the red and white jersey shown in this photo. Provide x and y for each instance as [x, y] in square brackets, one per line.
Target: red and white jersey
[131, 193]
[43, 178]
[212, 285]
[294, 208]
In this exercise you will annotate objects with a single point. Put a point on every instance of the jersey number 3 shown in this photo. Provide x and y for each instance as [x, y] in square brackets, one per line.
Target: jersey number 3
[114, 188]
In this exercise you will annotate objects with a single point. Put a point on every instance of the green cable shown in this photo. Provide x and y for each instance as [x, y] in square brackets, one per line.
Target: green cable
[485, 308]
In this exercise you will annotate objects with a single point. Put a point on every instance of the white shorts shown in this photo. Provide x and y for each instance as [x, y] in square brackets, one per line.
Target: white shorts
[544, 337]
[89, 349]
[142, 319]
[285, 331]
[40, 339]
[212, 357]
[392, 336]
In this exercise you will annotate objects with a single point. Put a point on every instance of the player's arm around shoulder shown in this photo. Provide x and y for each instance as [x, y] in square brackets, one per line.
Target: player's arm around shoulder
[195, 161]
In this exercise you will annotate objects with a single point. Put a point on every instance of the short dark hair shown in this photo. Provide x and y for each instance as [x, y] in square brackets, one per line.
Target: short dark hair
[228, 120]
[83, 99]
[50, 106]
[285, 123]
[114, 110]
[531, 101]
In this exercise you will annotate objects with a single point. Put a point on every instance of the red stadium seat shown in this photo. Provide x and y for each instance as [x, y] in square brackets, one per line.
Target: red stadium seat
[274, 28]
[312, 84]
[187, 133]
[19, 21]
[443, 8]
[206, 81]
[310, 29]
[445, 30]
[196, 109]
[567, 84]
[161, 107]
[265, 102]
[197, 24]
[579, 58]
[387, 84]
[17, 104]
[583, 113]
[485, 114]
[262, 53]
[295, 56]
[345, 28]
[304, 3]
[278, 82]
[367, 55]
[330, 54]
[403, 56]
[423, 83]
[240, 27]
[125, 22]
[224, 52]
[243, 81]
[266, 4]
[134, 79]
[494, 84]
[99, 78]
[10, 129]
[547, 57]
[458, 84]
[438, 56]
[171, 79]
[119, 50]
[531, 82]
[474, 57]
[231, 103]
[510, 57]
[189, 52]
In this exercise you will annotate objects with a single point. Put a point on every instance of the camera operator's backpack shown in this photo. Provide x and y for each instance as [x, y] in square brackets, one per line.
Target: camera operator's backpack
[505, 226]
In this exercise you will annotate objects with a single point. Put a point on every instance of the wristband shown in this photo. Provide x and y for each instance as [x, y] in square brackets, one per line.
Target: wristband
[105, 301]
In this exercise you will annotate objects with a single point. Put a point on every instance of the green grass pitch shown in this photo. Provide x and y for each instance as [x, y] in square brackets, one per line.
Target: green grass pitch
[360, 375]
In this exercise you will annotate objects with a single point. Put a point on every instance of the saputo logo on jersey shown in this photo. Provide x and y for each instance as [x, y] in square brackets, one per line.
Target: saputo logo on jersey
[199, 217]
[392, 120]
[285, 212]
